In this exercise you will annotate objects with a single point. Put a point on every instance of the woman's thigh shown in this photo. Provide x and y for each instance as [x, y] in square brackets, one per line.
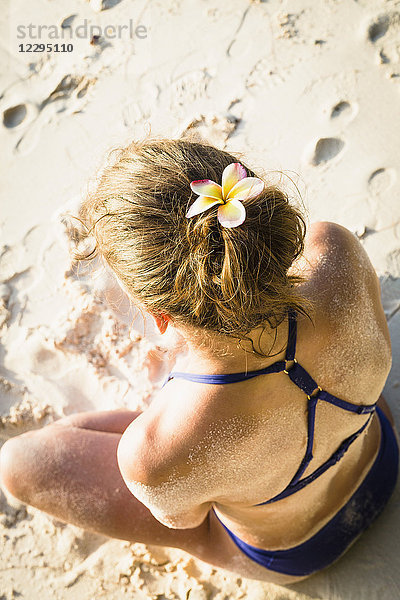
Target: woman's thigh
[72, 473]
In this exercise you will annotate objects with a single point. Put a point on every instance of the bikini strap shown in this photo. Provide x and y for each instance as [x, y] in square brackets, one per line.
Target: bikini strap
[224, 378]
[308, 456]
[307, 384]
[292, 336]
[336, 456]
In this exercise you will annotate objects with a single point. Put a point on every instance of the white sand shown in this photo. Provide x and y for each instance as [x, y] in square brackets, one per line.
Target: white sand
[307, 87]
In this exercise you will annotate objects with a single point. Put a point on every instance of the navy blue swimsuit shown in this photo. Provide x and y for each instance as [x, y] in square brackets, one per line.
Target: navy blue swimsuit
[368, 500]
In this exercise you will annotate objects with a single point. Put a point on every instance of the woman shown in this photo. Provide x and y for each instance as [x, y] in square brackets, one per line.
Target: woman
[269, 449]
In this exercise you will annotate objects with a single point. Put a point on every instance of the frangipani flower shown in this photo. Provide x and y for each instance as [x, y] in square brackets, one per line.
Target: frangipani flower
[235, 188]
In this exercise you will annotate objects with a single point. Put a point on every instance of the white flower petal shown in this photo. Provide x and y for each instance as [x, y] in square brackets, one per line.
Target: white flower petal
[201, 204]
[206, 187]
[231, 214]
[247, 188]
[232, 174]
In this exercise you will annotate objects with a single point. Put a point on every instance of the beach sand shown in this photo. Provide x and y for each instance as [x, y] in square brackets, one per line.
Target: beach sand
[309, 88]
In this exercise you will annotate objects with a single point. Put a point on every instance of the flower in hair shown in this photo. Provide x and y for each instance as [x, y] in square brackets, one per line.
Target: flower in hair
[235, 188]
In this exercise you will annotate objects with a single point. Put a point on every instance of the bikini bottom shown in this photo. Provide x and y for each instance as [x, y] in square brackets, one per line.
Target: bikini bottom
[330, 542]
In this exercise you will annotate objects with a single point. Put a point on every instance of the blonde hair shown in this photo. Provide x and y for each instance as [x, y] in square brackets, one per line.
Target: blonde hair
[220, 280]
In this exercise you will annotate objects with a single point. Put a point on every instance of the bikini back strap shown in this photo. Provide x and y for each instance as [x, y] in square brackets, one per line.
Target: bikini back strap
[306, 383]
[223, 378]
[336, 456]
[292, 336]
[361, 409]
[308, 456]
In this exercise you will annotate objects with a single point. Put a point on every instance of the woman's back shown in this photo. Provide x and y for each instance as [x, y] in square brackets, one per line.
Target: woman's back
[241, 444]
[294, 458]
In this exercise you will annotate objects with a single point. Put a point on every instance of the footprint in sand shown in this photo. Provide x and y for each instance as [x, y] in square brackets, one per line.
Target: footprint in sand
[22, 118]
[381, 180]
[343, 112]
[325, 150]
[212, 128]
[383, 32]
[67, 21]
[14, 116]
[68, 97]
[378, 28]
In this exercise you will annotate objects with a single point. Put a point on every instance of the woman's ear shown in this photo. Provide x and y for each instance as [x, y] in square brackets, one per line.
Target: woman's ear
[162, 321]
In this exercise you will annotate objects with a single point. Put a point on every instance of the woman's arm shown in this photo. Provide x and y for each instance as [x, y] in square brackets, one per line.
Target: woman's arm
[156, 471]
[176, 500]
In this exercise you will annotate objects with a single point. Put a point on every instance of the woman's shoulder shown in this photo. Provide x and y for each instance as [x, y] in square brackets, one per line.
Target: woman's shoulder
[337, 270]
[176, 460]
[177, 421]
[332, 252]
[349, 333]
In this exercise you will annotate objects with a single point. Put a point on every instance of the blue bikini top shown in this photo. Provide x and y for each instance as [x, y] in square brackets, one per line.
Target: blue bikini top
[314, 393]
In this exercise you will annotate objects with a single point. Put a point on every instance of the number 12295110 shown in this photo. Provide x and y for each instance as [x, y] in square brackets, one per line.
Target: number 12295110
[45, 47]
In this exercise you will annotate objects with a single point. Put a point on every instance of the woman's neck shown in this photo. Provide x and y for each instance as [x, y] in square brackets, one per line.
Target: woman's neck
[221, 354]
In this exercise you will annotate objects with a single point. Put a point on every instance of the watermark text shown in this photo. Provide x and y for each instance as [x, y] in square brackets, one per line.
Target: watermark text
[83, 30]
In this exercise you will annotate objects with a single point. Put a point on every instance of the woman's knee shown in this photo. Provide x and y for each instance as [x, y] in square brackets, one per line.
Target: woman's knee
[20, 463]
[10, 465]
